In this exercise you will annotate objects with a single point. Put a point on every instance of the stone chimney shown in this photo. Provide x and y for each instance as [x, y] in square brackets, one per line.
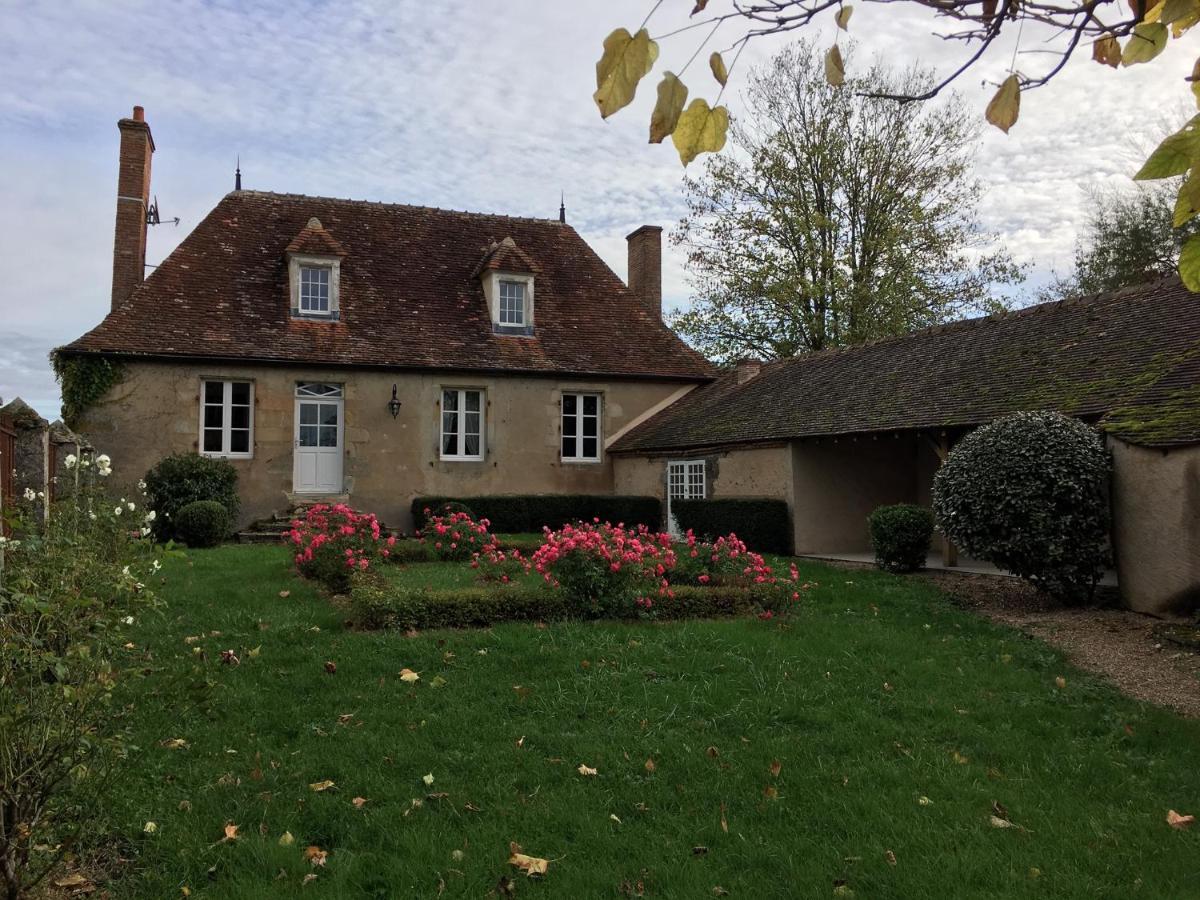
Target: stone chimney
[645, 266]
[747, 369]
[133, 199]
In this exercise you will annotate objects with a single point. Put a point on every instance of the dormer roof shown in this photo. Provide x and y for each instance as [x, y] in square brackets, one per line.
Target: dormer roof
[506, 256]
[314, 240]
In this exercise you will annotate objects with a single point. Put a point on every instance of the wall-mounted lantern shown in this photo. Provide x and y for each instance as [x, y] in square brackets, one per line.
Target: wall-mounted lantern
[394, 403]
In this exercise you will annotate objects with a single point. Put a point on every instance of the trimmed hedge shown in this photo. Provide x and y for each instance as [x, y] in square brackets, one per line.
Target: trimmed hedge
[182, 478]
[765, 525]
[376, 605]
[900, 535]
[410, 550]
[203, 523]
[530, 512]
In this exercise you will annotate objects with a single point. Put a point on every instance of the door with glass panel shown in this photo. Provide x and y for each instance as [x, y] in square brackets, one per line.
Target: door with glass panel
[685, 481]
[317, 463]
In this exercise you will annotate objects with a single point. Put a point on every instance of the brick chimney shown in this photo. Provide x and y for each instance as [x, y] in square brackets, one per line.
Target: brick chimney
[133, 198]
[747, 369]
[645, 266]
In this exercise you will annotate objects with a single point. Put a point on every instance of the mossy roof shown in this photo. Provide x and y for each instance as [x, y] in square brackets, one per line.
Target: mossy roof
[1128, 360]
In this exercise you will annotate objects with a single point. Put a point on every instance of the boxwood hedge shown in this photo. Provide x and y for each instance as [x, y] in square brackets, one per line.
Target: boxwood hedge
[511, 513]
[764, 524]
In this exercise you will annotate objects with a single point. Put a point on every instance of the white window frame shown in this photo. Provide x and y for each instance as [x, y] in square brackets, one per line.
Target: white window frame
[226, 418]
[461, 420]
[690, 470]
[299, 261]
[316, 271]
[579, 420]
[522, 287]
[491, 290]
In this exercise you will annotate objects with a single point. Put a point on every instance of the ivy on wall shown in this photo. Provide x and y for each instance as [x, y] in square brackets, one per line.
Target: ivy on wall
[84, 380]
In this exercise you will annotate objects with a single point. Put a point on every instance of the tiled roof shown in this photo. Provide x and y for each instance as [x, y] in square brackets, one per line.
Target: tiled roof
[506, 256]
[1128, 360]
[314, 240]
[407, 296]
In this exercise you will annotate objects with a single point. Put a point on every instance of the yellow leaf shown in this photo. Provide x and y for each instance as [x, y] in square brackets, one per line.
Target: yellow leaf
[1182, 25]
[1147, 41]
[286, 839]
[717, 64]
[585, 769]
[1189, 263]
[315, 855]
[613, 817]
[997, 822]
[408, 676]
[1172, 11]
[1175, 820]
[530, 865]
[835, 69]
[1195, 80]
[1107, 51]
[700, 130]
[253, 654]
[319, 786]
[1006, 105]
[959, 758]
[625, 62]
[150, 827]
[672, 94]
[843, 17]
[1187, 204]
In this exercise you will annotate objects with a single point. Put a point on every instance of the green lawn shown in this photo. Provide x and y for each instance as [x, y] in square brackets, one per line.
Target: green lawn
[895, 719]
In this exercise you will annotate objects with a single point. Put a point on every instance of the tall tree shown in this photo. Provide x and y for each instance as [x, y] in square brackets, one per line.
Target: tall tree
[1129, 238]
[837, 218]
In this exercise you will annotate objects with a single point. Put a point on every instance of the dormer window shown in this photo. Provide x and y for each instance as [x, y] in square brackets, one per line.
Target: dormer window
[512, 302]
[315, 290]
[314, 273]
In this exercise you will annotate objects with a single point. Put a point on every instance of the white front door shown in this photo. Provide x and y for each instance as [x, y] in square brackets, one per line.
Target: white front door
[317, 463]
[685, 481]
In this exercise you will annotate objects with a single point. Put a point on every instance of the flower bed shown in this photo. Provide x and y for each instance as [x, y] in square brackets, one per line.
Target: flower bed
[334, 541]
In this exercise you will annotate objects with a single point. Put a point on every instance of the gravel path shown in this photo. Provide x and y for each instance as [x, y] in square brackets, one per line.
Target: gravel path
[1122, 646]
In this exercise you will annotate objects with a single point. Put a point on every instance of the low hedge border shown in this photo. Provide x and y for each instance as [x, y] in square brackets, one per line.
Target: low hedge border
[411, 550]
[376, 606]
[520, 513]
[764, 524]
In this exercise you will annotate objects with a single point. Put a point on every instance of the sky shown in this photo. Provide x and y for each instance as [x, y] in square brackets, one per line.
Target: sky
[456, 103]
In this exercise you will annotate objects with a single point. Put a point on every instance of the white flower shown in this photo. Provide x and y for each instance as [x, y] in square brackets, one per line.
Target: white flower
[118, 510]
[40, 495]
[131, 506]
[103, 461]
[125, 572]
[30, 494]
[151, 516]
[156, 566]
[70, 461]
[128, 620]
[145, 530]
[92, 516]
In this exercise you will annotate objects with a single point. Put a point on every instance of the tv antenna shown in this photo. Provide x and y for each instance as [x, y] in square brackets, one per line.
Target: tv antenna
[152, 216]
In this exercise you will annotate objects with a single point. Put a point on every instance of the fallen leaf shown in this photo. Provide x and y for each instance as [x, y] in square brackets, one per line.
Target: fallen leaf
[650, 767]
[771, 792]
[408, 676]
[286, 839]
[359, 802]
[999, 809]
[150, 827]
[712, 752]
[437, 682]
[520, 742]
[924, 801]
[254, 652]
[231, 832]
[285, 594]
[776, 768]
[344, 718]
[585, 769]
[319, 786]
[1175, 820]
[530, 865]
[613, 817]
[70, 881]
[174, 744]
[959, 758]
[1060, 683]
[428, 779]
[890, 857]
[699, 850]
[307, 878]
[719, 891]
[724, 821]
[330, 667]
[315, 855]
[997, 822]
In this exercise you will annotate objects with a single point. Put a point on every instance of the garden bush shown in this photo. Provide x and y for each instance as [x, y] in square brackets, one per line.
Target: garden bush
[202, 523]
[332, 542]
[183, 478]
[764, 524]
[1028, 493]
[455, 536]
[523, 513]
[71, 586]
[378, 605]
[900, 535]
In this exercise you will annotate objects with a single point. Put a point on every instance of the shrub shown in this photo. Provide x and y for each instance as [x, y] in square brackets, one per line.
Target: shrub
[1028, 493]
[605, 570]
[497, 564]
[202, 523]
[332, 542]
[764, 524]
[900, 535]
[183, 478]
[70, 588]
[455, 536]
[524, 513]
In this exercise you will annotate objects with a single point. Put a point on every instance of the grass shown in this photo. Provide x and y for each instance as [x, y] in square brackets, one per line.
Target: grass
[877, 694]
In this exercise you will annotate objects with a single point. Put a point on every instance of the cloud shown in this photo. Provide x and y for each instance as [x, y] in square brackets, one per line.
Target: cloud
[436, 104]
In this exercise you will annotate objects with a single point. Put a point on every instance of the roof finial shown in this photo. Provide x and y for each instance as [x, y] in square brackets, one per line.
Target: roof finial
[237, 176]
[562, 207]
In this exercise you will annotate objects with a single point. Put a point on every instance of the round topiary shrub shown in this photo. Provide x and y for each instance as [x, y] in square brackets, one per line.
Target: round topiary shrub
[183, 478]
[900, 535]
[1029, 493]
[202, 523]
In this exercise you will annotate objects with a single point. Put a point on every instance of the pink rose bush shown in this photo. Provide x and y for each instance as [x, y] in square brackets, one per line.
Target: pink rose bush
[608, 570]
[495, 564]
[455, 536]
[333, 542]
